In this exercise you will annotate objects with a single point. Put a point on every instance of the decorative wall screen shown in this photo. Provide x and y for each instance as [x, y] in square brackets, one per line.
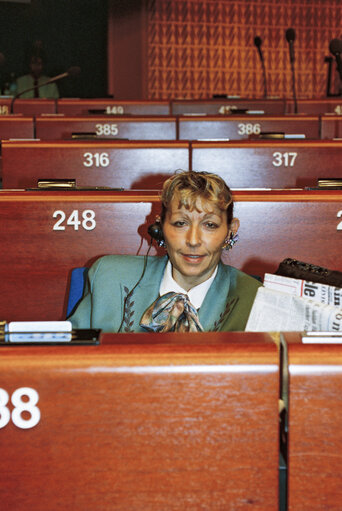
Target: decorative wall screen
[196, 48]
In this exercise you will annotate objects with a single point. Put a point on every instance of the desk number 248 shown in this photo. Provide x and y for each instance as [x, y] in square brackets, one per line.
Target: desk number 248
[27, 405]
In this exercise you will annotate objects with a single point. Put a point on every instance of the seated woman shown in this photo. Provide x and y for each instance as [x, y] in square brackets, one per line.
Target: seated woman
[189, 289]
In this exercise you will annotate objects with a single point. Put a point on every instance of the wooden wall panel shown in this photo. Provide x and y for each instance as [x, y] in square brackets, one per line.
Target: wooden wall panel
[196, 48]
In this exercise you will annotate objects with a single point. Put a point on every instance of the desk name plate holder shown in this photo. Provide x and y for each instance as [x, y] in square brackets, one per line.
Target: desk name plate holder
[49, 333]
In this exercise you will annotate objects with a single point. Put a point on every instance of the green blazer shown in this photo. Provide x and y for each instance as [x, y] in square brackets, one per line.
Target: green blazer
[225, 308]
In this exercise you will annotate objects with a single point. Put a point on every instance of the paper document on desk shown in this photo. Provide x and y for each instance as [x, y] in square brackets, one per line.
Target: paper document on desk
[319, 292]
[282, 312]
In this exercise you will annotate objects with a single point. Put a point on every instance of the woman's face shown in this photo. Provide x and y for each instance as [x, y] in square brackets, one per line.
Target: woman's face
[194, 240]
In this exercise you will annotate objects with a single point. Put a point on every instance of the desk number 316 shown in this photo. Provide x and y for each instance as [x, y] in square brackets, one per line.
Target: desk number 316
[22, 420]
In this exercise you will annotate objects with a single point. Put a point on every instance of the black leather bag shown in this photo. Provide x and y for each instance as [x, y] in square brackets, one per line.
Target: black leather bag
[305, 271]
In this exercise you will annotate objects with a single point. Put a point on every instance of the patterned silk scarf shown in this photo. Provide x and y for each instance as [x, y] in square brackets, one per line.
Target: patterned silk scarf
[171, 312]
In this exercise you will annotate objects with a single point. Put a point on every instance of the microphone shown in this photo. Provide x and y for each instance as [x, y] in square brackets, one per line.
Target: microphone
[290, 35]
[72, 72]
[258, 42]
[335, 48]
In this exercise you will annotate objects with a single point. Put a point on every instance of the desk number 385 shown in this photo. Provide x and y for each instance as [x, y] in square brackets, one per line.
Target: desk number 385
[22, 420]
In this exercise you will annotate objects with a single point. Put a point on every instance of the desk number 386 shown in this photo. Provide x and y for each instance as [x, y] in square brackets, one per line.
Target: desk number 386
[22, 420]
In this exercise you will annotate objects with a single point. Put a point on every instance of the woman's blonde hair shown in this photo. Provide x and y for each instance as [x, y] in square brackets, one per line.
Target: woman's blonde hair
[188, 186]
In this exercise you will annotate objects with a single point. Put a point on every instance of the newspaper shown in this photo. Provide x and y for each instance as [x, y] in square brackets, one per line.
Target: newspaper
[319, 292]
[282, 312]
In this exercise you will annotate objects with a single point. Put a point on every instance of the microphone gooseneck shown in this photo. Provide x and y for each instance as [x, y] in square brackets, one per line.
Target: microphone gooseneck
[258, 43]
[290, 35]
[335, 48]
[72, 72]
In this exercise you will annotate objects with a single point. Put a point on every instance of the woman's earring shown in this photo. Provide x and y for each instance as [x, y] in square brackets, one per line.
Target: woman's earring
[230, 242]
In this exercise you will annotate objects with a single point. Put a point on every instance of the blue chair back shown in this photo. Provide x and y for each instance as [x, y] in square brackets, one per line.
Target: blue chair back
[77, 283]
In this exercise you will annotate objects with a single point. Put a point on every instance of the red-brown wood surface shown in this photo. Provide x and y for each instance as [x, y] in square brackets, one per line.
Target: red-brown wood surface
[133, 128]
[331, 126]
[315, 106]
[36, 261]
[273, 164]
[129, 165]
[34, 106]
[112, 107]
[16, 126]
[236, 127]
[164, 426]
[226, 105]
[315, 437]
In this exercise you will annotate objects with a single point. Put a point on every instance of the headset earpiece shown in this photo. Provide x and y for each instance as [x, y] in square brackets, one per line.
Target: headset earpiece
[156, 232]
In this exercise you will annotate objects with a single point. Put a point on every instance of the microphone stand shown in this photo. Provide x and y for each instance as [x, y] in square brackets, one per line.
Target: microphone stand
[264, 75]
[294, 85]
[73, 71]
[55, 78]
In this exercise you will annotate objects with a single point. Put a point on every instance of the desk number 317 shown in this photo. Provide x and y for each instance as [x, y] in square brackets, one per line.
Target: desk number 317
[27, 405]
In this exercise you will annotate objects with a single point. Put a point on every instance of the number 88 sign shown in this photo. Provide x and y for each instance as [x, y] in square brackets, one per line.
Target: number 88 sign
[20, 406]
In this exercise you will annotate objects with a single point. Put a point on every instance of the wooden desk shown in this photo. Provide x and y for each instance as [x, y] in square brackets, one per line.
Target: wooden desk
[112, 163]
[304, 225]
[273, 164]
[226, 105]
[315, 106]
[236, 127]
[331, 126]
[315, 438]
[133, 128]
[155, 422]
[42, 247]
[112, 107]
[16, 126]
[34, 106]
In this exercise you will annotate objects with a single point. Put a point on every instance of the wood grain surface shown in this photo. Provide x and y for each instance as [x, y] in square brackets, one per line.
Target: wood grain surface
[116, 107]
[235, 127]
[16, 126]
[133, 128]
[315, 438]
[226, 105]
[128, 165]
[331, 126]
[159, 426]
[269, 164]
[34, 106]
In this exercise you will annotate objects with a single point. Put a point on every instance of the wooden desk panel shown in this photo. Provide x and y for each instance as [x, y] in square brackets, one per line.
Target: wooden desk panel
[165, 425]
[16, 126]
[36, 265]
[279, 224]
[40, 252]
[331, 126]
[225, 106]
[315, 106]
[273, 164]
[112, 107]
[133, 128]
[235, 127]
[128, 165]
[34, 106]
[315, 437]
